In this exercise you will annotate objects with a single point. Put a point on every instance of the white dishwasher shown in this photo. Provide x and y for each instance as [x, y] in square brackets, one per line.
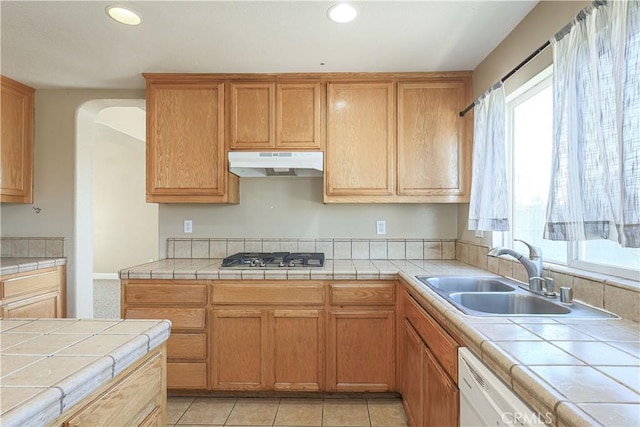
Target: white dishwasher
[485, 400]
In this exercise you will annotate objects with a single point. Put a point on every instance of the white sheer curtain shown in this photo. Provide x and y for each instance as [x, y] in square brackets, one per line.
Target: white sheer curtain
[595, 186]
[489, 207]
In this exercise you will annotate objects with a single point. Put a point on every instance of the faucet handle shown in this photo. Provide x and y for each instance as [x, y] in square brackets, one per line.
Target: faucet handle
[534, 251]
[535, 284]
[549, 287]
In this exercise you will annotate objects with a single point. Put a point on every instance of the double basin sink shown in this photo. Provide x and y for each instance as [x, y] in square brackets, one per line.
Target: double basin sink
[499, 296]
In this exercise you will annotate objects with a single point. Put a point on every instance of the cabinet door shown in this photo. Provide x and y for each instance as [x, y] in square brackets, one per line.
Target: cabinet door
[46, 305]
[239, 349]
[298, 112]
[442, 397]
[361, 351]
[16, 142]
[252, 116]
[186, 159]
[360, 155]
[412, 377]
[297, 352]
[433, 147]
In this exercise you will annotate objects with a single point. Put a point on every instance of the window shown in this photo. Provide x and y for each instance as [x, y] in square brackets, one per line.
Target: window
[529, 155]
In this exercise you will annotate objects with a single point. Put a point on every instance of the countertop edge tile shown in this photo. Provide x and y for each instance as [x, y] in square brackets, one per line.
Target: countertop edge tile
[571, 414]
[125, 355]
[39, 410]
[158, 334]
[84, 382]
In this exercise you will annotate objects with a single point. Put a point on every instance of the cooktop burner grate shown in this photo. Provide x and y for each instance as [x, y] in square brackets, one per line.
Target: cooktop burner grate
[274, 260]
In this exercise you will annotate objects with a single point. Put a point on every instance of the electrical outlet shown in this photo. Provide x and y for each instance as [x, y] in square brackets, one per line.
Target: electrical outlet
[188, 226]
[381, 227]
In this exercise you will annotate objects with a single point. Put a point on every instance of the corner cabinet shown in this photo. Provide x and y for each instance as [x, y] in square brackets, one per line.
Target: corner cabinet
[186, 157]
[434, 149]
[275, 116]
[429, 368]
[16, 153]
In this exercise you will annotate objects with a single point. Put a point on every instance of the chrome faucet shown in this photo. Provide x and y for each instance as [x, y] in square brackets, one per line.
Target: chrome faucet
[533, 264]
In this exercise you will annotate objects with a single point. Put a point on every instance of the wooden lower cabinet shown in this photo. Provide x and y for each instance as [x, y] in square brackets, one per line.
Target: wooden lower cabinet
[239, 349]
[184, 303]
[136, 397]
[361, 350]
[412, 380]
[297, 352]
[442, 397]
[267, 349]
[34, 294]
[429, 393]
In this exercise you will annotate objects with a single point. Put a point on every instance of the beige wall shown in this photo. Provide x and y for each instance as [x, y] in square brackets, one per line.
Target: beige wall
[540, 25]
[125, 227]
[293, 208]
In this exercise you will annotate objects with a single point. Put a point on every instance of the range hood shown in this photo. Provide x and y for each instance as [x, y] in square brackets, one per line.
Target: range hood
[256, 164]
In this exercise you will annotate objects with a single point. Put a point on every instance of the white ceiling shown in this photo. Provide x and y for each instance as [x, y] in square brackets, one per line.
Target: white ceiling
[73, 44]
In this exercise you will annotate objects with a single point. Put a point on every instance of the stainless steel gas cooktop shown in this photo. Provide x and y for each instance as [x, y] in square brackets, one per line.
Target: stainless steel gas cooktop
[248, 260]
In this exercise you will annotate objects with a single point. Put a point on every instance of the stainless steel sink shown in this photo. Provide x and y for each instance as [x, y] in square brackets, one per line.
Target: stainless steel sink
[500, 296]
[507, 303]
[449, 284]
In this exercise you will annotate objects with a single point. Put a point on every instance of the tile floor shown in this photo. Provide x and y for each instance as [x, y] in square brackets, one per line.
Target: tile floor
[290, 412]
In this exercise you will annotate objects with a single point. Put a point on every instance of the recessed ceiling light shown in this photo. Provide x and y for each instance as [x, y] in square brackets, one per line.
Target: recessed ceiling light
[342, 13]
[123, 15]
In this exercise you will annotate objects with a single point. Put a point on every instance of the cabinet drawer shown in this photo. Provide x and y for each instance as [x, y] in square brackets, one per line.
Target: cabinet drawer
[176, 292]
[35, 282]
[268, 293]
[187, 346]
[181, 318]
[441, 344]
[129, 402]
[362, 293]
[187, 375]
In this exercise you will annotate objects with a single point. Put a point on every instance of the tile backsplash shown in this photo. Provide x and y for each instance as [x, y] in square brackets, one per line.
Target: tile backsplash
[32, 247]
[376, 249]
[620, 296]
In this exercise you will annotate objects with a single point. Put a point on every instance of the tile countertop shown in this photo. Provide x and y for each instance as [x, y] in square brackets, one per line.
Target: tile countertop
[578, 371]
[48, 365]
[20, 265]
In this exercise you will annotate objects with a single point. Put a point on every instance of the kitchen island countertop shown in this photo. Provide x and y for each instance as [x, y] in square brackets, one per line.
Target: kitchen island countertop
[49, 365]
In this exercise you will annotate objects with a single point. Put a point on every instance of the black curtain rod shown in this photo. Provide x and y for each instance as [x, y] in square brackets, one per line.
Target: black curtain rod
[511, 73]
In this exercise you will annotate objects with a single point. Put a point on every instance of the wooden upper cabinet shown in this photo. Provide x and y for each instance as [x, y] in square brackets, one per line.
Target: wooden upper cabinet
[275, 116]
[252, 115]
[16, 158]
[361, 141]
[299, 116]
[186, 159]
[433, 142]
